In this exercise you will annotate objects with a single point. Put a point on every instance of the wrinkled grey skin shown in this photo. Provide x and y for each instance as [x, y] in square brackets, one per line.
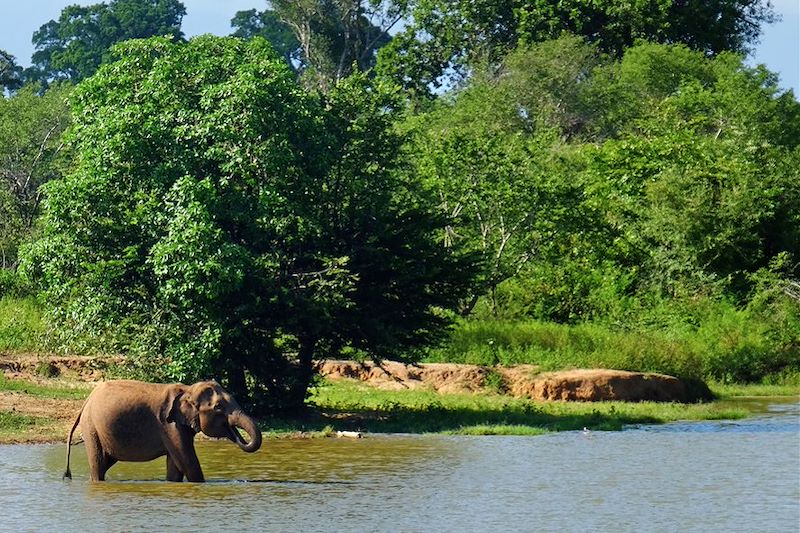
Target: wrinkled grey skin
[136, 421]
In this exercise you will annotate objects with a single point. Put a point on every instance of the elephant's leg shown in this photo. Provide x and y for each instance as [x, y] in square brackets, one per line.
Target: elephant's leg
[180, 449]
[108, 462]
[173, 472]
[94, 455]
[99, 462]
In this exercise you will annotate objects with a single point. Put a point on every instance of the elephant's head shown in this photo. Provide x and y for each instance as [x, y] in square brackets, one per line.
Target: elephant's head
[207, 407]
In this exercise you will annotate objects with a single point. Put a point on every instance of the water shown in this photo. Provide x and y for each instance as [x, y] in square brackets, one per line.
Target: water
[709, 476]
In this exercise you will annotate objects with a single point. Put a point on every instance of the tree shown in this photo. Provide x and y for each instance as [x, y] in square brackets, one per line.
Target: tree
[701, 188]
[10, 73]
[495, 163]
[266, 24]
[221, 221]
[709, 27]
[31, 154]
[449, 37]
[75, 45]
[586, 181]
[337, 36]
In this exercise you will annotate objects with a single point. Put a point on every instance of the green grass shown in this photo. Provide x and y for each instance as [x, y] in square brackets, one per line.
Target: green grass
[729, 347]
[499, 430]
[348, 405]
[21, 324]
[558, 346]
[62, 392]
[737, 390]
[13, 422]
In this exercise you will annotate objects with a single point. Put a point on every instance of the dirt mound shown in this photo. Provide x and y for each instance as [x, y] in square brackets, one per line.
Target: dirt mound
[41, 367]
[599, 384]
[523, 381]
[441, 377]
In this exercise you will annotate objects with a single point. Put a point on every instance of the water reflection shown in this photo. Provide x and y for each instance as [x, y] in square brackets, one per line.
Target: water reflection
[708, 476]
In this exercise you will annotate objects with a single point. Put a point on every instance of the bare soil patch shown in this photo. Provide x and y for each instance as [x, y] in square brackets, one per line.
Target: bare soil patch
[523, 381]
[42, 368]
[52, 417]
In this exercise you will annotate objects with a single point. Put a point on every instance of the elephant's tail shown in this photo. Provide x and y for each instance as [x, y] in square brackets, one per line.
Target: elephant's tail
[67, 473]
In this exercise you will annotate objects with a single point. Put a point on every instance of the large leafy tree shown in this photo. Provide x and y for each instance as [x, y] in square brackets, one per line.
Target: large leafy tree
[586, 181]
[331, 37]
[495, 156]
[223, 222]
[449, 37]
[75, 45]
[266, 24]
[31, 154]
[702, 186]
[10, 73]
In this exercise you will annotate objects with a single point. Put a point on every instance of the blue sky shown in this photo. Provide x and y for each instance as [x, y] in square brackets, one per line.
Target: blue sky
[779, 48]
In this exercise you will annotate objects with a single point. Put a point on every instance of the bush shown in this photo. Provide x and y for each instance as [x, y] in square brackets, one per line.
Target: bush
[557, 346]
[21, 324]
[12, 284]
[702, 339]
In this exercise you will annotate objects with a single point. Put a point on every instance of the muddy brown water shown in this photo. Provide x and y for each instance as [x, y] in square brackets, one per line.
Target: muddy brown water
[708, 476]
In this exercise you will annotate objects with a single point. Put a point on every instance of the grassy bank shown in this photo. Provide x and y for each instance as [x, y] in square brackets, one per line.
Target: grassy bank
[719, 348]
[421, 411]
[350, 405]
[714, 341]
[59, 391]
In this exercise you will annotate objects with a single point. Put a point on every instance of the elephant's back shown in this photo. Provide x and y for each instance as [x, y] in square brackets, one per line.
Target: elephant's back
[122, 393]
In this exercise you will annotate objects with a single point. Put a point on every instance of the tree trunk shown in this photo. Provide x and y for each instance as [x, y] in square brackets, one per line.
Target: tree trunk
[305, 371]
[237, 384]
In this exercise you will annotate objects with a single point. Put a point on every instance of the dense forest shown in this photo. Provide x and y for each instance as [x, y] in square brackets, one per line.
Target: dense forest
[564, 184]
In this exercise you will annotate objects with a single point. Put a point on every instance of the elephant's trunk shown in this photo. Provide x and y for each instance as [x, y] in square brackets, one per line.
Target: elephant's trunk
[240, 420]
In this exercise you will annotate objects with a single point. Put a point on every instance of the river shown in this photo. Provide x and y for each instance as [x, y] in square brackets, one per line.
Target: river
[702, 476]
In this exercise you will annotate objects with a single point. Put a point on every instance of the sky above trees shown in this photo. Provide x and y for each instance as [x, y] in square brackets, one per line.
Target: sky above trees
[779, 48]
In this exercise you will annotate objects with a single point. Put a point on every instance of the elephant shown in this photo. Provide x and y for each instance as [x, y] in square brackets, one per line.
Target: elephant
[128, 420]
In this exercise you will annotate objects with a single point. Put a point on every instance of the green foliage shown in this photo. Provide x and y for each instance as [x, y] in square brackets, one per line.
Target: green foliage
[21, 324]
[555, 347]
[709, 27]
[75, 45]
[13, 284]
[447, 36]
[701, 339]
[223, 222]
[696, 187]
[596, 187]
[499, 168]
[331, 38]
[31, 154]
[266, 24]
[10, 73]
[450, 37]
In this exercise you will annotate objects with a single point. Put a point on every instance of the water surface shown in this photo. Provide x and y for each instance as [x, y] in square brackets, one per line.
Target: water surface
[709, 476]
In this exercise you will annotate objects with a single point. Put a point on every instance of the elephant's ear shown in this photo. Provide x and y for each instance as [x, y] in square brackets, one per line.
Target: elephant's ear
[180, 409]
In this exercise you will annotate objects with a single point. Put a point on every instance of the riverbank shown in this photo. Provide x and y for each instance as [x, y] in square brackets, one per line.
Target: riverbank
[41, 396]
